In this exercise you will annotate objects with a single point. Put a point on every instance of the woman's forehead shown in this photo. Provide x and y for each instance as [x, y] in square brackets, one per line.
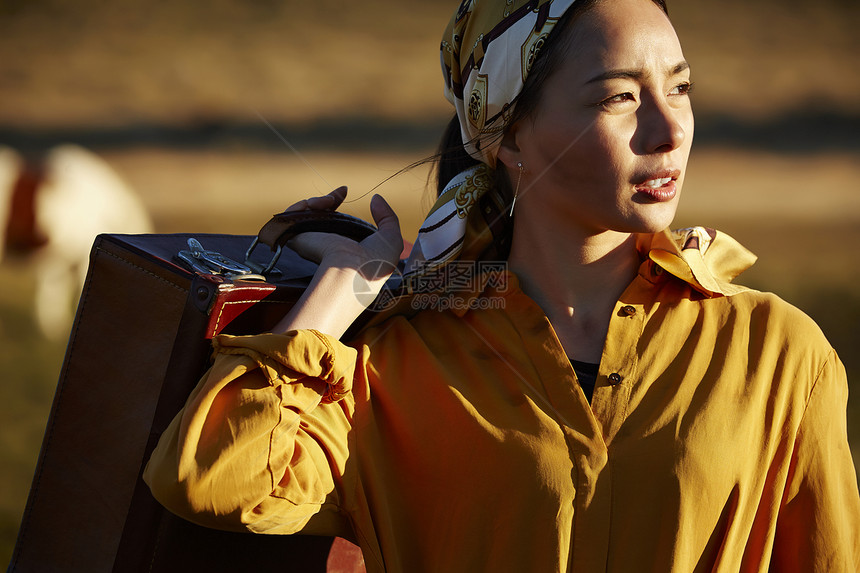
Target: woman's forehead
[623, 35]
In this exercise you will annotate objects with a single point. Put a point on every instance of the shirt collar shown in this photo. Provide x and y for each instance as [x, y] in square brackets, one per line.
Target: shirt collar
[706, 259]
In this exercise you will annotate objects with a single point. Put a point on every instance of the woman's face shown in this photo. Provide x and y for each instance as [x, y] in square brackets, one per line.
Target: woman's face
[607, 147]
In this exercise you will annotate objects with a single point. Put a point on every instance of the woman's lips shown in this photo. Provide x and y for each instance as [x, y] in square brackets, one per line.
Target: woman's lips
[664, 192]
[659, 187]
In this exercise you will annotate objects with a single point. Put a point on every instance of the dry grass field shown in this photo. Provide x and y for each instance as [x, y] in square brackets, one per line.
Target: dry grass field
[128, 76]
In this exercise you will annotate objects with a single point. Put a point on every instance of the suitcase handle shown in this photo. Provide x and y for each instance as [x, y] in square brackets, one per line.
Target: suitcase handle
[284, 226]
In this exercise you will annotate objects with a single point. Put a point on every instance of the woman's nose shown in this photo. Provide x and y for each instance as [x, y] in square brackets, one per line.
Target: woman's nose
[663, 127]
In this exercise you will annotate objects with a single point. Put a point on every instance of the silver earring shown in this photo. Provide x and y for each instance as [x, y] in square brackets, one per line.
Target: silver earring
[517, 189]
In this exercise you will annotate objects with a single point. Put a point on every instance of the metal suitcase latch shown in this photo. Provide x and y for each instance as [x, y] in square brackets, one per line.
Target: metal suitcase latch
[214, 263]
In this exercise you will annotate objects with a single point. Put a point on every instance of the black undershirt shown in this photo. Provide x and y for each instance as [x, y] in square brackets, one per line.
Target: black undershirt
[586, 372]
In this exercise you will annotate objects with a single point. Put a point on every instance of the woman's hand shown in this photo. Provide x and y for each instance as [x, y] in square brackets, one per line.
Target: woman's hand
[384, 245]
[350, 273]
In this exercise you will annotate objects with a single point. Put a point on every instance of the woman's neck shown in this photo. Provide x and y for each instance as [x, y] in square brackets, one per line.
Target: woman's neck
[576, 279]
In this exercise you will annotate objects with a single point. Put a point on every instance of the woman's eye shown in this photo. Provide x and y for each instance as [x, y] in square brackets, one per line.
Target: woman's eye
[683, 88]
[618, 98]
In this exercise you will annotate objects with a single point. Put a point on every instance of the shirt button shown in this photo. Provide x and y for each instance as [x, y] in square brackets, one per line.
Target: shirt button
[615, 378]
[628, 310]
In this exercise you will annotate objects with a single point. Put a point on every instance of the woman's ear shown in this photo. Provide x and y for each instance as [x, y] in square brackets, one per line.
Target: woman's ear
[509, 150]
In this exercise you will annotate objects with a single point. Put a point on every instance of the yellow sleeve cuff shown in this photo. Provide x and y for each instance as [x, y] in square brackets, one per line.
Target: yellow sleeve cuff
[286, 358]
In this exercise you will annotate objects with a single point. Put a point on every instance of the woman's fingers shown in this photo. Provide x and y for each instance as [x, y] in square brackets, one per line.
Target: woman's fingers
[382, 213]
[313, 246]
[328, 202]
[388, 237]
[385, 244]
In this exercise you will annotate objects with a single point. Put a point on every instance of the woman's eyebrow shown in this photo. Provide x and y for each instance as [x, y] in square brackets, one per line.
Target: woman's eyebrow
[635, 74]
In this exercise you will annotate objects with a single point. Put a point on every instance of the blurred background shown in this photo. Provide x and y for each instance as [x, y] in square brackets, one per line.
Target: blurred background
[217, 115]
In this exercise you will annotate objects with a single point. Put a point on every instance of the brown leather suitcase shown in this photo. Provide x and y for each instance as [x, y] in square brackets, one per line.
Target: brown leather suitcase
[138, 346]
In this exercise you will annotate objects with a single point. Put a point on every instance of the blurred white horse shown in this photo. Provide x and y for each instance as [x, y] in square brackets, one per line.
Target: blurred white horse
[51, 209]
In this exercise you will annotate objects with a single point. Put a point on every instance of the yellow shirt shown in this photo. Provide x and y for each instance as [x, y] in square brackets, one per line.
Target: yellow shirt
[460, 441]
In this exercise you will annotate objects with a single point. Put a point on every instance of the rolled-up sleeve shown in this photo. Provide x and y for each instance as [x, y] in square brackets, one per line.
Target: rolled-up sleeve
[818, 526]
[261, 442]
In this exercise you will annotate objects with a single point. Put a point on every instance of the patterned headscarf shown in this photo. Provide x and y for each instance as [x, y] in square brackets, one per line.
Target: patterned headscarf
[487, 52]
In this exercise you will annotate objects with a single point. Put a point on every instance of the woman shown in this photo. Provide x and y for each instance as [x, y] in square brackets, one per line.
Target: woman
[610, 402]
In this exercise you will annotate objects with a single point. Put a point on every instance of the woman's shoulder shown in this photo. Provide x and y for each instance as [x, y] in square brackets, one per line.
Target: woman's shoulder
[709, 262]
[766, 305]
[777, 321]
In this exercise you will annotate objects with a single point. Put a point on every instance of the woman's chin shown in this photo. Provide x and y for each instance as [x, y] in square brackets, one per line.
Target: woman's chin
[654, 221]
